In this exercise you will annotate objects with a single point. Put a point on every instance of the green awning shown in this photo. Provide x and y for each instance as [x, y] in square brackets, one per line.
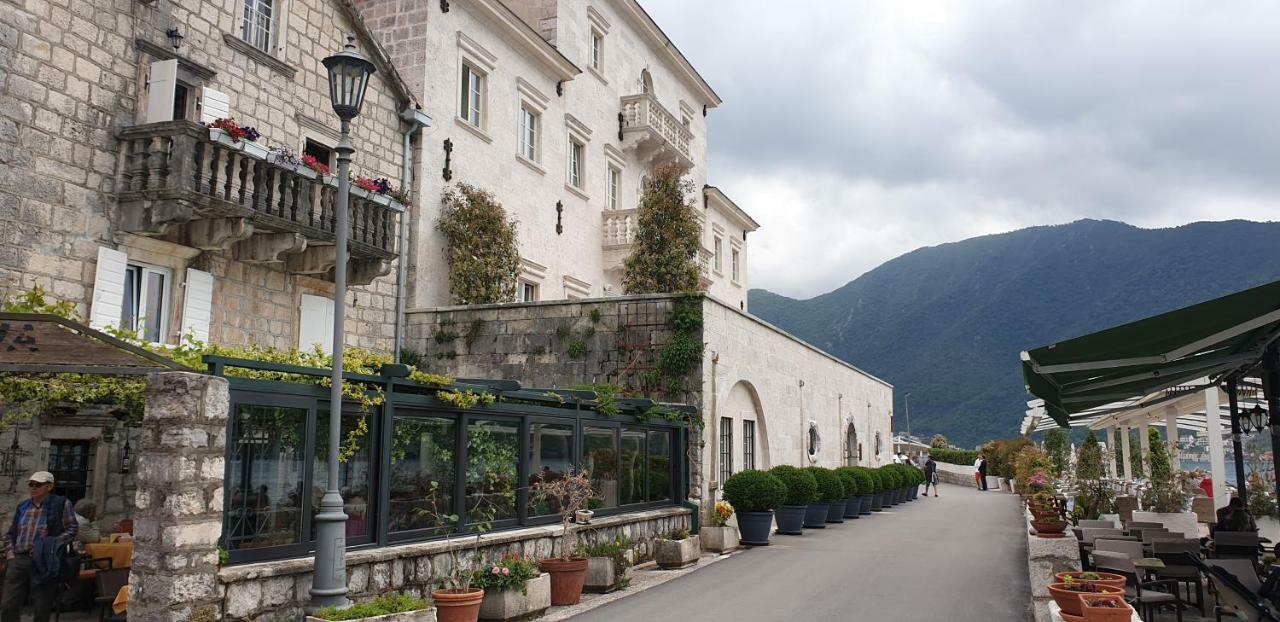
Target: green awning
[1210, 339]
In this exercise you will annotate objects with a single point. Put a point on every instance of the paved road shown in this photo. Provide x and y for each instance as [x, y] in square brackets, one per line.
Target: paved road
[960, 557]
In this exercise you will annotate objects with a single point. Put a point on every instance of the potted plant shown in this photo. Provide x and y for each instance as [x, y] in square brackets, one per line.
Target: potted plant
[568, 572]
[513, 589]
[390, 608]
[1067, 594]
[1102, 578]
[1165, 500]
[676, 549]
[232, 134]
[720, 537]
[286, 158]
[609, 565]
[755, 495]
[815, 514]
[1105, 608]
[831, 494]
[866, 488]
[852, 502]
[877, 497]
[802, 489]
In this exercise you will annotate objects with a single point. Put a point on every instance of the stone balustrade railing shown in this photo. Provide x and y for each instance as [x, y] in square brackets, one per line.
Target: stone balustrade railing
[620, 227]
[644, 112]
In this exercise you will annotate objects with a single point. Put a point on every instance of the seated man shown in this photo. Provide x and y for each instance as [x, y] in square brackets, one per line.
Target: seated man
[1235, 517]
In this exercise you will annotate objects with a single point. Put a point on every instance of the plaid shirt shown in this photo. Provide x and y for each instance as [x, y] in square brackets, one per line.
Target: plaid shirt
[30, 525]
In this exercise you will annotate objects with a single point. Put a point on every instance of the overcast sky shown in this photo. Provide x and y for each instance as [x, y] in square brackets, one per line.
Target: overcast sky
[856, 131]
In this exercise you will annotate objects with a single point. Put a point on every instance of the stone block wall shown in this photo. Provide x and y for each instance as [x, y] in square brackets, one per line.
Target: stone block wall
[270, 591]
[956, 474]
[1046, 557]
[178, 515]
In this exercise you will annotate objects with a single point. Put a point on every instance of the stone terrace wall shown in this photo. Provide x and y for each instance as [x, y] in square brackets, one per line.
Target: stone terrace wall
[1046, 557]
[278, 590]
[955, 474]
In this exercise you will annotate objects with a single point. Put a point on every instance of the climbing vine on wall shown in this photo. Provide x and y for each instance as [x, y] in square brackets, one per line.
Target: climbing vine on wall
[664, 255]
[480, 246]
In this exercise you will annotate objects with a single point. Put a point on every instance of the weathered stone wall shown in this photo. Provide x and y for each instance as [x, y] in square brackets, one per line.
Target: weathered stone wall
[178, 516]
[278, 590]
[1046, 557]
[956, 474]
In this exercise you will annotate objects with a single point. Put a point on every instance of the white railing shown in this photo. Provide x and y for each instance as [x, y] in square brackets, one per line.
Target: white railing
[643, 112]
[620, 227]
[704, 263]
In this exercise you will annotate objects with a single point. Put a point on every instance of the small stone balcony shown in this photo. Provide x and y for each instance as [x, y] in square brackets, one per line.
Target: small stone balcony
[654, 133]
[180, 184]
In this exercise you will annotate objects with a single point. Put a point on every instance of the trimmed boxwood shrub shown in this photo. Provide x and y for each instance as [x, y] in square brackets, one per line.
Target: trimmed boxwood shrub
[877, 482]
[890, 478]
[849, 480]
[962, 457]
[830, 489]
[802, 488]
[754, 491]
[866, 485]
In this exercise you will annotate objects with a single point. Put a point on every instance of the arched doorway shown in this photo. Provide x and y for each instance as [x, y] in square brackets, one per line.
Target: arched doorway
[751, 440]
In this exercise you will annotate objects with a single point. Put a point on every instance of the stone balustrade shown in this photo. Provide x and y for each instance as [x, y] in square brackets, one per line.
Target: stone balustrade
[642, 115]
[620, 227]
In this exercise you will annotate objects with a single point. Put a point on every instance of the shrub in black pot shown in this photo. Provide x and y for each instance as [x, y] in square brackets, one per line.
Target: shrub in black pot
[830, 491]
[802, 489]
[754, 495]
[893, 484]
[877, 498]
[851, 500]
[866, 488]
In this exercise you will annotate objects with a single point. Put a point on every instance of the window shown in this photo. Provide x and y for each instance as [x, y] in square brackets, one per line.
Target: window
[493, 455]
[528, 292]
[472, 95]
[422, 473]
[597, 49]
[576, 150]
[320, 151]
[146, 301]
[600, 456]
[550, 457]
[181, 101]
[615, 180]
[256, 28]
[71, 463]
[631, 474]
[529, 134]
[355, 477]
[815, 440]
[735, 266]
[659, 459]
[748, 444]
[718, 253]
[315, 323]
[726, 448]
[265, 476]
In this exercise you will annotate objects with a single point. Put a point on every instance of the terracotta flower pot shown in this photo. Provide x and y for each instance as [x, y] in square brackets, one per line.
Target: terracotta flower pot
[1108, 578]
[1069, 600]
[1094, 613]
[458, 605]
[1049, 528]
[567, 578]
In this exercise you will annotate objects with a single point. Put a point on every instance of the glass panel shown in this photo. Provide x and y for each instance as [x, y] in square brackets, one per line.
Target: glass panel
[631, 469]
[354, 474]
[154, 313]
[550, 456]
[726, 448]
[129, 306]
[464, 108]
[422, 473]
[266, 452]
[748, 445]
[600, 457]
[493, 451]
[659, 465]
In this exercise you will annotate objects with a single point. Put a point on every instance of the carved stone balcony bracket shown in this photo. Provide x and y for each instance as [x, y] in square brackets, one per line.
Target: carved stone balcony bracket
[269, 247]
[217, 234]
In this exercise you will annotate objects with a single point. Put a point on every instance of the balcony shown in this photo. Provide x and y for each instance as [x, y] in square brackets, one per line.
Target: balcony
[654, 133]
[620, 228]
[179, 184]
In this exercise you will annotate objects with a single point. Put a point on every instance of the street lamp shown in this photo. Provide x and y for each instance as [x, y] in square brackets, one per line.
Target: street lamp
[348, 77]
[906, 398]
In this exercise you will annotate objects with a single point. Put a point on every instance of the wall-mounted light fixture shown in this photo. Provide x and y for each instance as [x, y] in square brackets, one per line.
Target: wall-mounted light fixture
[126, 455]
[175, 37]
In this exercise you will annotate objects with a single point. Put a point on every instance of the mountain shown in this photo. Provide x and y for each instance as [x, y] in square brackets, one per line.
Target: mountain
[947, 323]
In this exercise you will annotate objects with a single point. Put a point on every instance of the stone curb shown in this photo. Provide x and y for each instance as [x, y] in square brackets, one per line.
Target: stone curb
[643, 577]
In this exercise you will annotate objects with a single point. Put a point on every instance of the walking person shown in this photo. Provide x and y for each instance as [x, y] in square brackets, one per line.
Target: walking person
[982, 472]
[930, 476]
[977, 471]
[43, 516]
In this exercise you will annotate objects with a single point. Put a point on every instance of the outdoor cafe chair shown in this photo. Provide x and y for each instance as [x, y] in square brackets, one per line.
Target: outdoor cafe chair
[1097, 524]
[109, 584]
[1140, 594]
[1236, 600]
[1129, 548]
[1242, 569]
[1088, 535]
[1236, 545]
[1171, 553]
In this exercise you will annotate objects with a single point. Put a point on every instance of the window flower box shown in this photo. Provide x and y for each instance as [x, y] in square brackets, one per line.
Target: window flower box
[380, 199]
[253, 149]
[219, 135]
[359, 192]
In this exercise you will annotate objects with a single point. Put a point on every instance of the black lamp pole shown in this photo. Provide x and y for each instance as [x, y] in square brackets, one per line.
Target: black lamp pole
[1233, 391]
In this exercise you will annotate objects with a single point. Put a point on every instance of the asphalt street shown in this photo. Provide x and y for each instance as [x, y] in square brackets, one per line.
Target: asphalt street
[959, 557]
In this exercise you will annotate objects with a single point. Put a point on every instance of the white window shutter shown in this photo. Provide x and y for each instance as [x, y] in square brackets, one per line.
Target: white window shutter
[160, 90]
[315, 324]
[197, 305]
[214, 105]
[108, 288]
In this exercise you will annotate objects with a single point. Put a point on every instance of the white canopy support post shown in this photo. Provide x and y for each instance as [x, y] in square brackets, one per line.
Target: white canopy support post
[1126, 460]
[1217, 457]
[1171, 437]
[1111, 445]
[1144, 443]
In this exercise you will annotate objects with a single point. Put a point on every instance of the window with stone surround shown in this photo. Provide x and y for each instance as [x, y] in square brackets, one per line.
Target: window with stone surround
[615, 181]
[258, 23]
[146, 305]
[748, 445]
[71, 463]
[597, 49]
[718, 254]
[530, 129]
[471, 107]
[726, 448]
[735, 265]
[528, 292]
[577, 152]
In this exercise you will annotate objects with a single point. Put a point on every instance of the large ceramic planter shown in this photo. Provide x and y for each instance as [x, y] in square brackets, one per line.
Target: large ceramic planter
[877, 502]
[790, 520]
[915, 492]
[602, 575]
[719, 539]
[864, 504]
[1069, 601]
[993, 483]
[835, 512]
[512, 604]
[815, 516]
[1109, 579]
[852, 507]
[567, 578]
[421, 615]
[672, 554]
[1050, 528]
[754, 527]
[458, 605]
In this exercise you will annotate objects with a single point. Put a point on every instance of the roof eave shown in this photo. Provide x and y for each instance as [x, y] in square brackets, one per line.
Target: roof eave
[739, 215]
[540, 49]
[650, 28]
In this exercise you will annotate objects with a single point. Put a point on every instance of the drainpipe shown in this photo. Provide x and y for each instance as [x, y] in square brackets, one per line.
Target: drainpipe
[416, 120]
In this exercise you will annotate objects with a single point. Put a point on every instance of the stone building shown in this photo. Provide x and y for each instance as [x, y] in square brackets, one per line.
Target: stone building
[112, 195]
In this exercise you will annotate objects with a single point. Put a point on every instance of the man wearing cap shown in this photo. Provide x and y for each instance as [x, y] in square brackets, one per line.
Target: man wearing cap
[31, 522]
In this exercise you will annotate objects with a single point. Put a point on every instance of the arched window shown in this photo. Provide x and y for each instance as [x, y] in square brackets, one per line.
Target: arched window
[851, 449]
[815, 442]
[879, 445]
[646, 82]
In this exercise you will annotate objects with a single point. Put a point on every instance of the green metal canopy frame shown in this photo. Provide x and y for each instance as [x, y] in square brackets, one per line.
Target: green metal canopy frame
[1211, 340]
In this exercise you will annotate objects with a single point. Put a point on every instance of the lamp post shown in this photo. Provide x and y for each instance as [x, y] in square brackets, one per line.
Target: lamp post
[348, 77]
[906, 398]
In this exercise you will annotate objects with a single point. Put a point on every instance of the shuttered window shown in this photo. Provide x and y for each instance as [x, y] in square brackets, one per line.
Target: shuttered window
[316, 323]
